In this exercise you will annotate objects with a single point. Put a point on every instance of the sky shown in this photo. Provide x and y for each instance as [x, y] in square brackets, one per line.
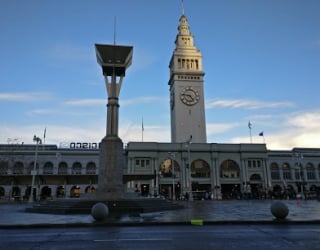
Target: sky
[261, 60]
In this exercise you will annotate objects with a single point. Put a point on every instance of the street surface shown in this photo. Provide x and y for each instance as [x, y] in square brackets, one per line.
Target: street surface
[262, 237]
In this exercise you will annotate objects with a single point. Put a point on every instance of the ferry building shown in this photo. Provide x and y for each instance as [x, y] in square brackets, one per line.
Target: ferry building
[186, 167]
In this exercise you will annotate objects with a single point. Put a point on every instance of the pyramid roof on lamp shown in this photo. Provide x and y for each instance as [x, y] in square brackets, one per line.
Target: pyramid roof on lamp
[110, 57]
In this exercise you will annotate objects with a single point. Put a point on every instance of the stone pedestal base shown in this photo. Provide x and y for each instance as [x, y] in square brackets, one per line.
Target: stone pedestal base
[111, 167]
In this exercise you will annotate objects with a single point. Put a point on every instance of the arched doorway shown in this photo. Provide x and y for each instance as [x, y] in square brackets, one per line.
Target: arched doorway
[201, 185]
[169, 177]
[290, 193]
[2, 192]
[60, 192]
[230, 180]
[90, 189]
[45, 193]
[277, 192]
[16, 193]
[256, 188]
[75, 192]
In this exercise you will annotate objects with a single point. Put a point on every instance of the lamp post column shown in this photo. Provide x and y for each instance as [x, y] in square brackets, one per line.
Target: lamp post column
[172, 156]
[37, 140]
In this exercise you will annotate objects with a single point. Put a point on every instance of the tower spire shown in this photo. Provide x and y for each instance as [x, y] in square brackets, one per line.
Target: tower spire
[182, 7]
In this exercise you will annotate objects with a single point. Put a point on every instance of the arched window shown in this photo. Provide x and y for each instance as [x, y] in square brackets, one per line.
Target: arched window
[63, 168]
[91, 168]
[18, 167]
[200, 169]
[229, 169]
[311, 173]
[31, 167]
[76, 168]
[3, 167]
[286, 171]
[275, 174]
[48, 168]
[166, 169]
[179, 63]
[90, 189]
[298, 171]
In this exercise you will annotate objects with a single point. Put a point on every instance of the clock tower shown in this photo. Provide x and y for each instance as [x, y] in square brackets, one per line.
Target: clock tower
[186, 89]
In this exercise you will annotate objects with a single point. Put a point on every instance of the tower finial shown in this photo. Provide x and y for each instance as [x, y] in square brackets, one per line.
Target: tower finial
[182, 7]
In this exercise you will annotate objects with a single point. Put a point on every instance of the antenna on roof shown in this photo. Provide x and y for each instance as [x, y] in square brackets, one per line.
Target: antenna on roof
[114, 30]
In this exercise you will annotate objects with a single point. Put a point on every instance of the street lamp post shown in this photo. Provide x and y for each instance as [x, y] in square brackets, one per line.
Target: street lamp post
[37, 140]
[299, 157]
[188, 167]
[172, 156]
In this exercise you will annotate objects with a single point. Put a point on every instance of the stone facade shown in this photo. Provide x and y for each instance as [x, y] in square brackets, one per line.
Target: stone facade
[217, 171]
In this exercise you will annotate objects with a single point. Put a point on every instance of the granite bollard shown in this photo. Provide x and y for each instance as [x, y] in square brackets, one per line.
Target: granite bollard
[99, 211]
[279, 210]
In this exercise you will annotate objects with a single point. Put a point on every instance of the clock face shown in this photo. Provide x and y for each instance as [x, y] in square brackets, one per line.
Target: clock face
[189, 96]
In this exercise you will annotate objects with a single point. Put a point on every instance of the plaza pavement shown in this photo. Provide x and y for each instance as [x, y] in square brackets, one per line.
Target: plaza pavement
[199, 212]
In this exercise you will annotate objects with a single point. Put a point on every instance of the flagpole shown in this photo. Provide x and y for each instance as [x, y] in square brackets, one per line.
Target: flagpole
[142, 128]
[250, 126]
[44, 135]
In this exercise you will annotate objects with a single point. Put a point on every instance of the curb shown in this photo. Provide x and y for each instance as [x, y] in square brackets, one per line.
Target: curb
[184, 223]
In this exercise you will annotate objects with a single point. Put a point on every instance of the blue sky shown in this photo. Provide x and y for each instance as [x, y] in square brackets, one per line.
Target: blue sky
[261, 59]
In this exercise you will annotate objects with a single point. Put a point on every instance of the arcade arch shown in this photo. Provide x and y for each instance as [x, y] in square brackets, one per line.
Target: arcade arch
[169, 179]
[230, 180]
[200, 169]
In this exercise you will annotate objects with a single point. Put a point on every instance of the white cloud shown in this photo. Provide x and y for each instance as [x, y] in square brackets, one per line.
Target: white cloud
[55, 134]
[143, 99]
[214, 129]
[245, 104]
[123, 102]
[293, 130]
[133, 132]
[300, 129]
[25, 96]
[86, 102]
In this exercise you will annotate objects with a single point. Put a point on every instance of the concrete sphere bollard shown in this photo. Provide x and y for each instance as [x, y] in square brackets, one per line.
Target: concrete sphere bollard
[279, 210]
[100, 211]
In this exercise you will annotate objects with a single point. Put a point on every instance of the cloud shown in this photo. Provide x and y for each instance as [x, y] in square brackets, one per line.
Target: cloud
[86, 102]
[123, 102]
[130, 131]
[25, 96]
[245, 104]
[43, 112]
[213, 129]
[55, 134]
[306, 120]
[143, 99]
[298, 129]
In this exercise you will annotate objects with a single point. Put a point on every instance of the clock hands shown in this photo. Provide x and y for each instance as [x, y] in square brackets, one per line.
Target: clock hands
[188, 97]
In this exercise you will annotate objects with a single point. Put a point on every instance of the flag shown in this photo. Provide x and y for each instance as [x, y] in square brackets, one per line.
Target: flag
[44, 133]
[261, 133]
[249, 125]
